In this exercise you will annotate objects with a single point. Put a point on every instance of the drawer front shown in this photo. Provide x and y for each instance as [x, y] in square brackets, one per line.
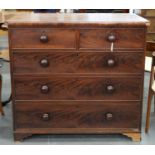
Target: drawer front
[121, 38]
[77, 115]
[77, 88]
[43, 38]
[77, 62]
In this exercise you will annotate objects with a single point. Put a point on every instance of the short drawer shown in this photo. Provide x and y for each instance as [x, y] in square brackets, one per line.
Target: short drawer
[121, 38]
[77, 115]
[43, 38]
[77, 88]
[77, 62]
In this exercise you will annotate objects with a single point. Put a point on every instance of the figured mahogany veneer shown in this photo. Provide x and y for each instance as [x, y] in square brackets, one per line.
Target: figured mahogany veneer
[70, 114]
[44, 38]
[77, 88]
[77, 73]
[53, 62]
[123, 38]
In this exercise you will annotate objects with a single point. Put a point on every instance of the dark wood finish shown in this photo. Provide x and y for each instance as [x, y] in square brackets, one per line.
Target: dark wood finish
[77, 88]
[52, 62]
[43, 38]
[103, 10]
[83, 75]
[102, 38]
[69, 114]
[150, 46]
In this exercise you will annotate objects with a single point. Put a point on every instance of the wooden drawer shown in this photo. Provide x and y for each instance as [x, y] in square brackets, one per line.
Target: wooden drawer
[77, 114]
[121, 37]
[77, 62]
[43, 38]
[77, 88]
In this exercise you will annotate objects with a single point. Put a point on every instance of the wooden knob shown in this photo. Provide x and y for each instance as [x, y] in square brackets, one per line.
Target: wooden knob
[45, 117]
[109, 116]
[44, 38]
[111, 38]
[111, 62]
[110, 89]
[44, 89]
[44, 63]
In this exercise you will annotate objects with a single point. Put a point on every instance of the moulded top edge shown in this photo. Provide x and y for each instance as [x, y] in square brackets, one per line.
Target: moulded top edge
[77, 19]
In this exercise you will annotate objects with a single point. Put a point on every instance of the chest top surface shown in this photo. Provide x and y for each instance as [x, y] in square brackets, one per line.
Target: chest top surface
[77, 19]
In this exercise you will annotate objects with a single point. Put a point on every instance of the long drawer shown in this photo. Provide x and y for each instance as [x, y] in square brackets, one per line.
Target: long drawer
[77, 115]
[43, 38]
[121, 37]
[30, 62]
[77, 88]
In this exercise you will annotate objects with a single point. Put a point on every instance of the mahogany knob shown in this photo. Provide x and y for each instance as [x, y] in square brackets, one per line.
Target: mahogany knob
[44, 38]
[110, 89]
[109, 116]
[111, 38]
[44, 89]
[44, 63]
[111, 62]
[45, 117]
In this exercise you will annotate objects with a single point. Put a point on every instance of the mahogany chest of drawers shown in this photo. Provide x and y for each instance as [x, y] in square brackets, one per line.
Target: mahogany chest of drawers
[77, 73]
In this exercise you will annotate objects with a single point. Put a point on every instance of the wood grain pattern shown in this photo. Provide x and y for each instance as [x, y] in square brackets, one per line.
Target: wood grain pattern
[83, 20]
[125, 38]
[57, 39]
[76, 115]
[29, 62]
[77, 88]
[65, 80]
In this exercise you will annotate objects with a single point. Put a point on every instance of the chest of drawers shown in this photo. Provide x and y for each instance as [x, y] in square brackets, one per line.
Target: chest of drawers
[77, 73]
